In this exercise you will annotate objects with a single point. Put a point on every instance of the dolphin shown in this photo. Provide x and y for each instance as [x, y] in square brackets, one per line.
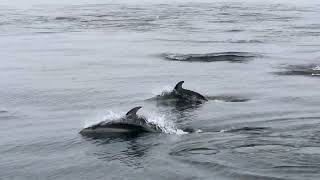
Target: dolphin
[130, 123]
[187, 95]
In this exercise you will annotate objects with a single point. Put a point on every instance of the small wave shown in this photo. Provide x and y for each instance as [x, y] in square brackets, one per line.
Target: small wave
[251, 130]
[45, 32]
[298, 168]
[262, 146]
[62, 18]
[227, 99]
[189, 40]
[199, 41]
[309, 150]
[235, 30]
[245, 41]
[210, 57]
[302, 70]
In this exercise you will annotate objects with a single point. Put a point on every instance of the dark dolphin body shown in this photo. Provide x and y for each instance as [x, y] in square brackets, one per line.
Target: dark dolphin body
[181, 95]
[187, 95]
[130, 123]
[180, 98]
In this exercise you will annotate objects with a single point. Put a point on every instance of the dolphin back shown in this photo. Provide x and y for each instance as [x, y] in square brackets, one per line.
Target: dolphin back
[194, 94]
[130, 123]
[185, 93]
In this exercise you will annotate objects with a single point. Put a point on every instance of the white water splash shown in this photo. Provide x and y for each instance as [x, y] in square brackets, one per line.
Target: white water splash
[317, 68]
[109, 116]
[162, 90]
[218, 100]
[165, 125]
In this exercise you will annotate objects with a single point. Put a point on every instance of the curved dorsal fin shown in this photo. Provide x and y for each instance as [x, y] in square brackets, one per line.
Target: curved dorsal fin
[133, 111]
[179, 86]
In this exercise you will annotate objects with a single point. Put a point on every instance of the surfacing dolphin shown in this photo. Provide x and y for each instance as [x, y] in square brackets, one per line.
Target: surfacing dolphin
[130, 123]
[180, 98]
[187, 95]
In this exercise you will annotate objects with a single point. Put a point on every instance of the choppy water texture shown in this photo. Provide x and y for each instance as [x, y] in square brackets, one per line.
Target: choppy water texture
[64, 65]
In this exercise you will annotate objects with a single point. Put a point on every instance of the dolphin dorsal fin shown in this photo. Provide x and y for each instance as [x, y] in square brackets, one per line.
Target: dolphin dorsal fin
[178, 86]
[133, 111]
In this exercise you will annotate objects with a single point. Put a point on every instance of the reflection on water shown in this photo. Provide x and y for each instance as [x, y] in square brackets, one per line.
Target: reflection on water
[131, 153]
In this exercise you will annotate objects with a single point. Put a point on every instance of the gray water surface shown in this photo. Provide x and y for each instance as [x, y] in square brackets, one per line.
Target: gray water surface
[65, 65]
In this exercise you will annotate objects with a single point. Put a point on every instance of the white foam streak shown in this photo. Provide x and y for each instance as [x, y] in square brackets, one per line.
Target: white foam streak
[165, 125]
[162, 90]
[317, 68]
[109, 116]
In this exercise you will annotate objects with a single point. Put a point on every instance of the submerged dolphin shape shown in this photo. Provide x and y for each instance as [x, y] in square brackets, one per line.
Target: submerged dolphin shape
[130, 123]
[187, 95]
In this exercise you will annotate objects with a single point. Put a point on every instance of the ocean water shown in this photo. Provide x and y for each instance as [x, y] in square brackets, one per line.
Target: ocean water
[66, 65]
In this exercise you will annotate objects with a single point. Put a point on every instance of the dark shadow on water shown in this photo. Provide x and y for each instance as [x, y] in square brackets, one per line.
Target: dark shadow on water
[236, 57]
[311, 70]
